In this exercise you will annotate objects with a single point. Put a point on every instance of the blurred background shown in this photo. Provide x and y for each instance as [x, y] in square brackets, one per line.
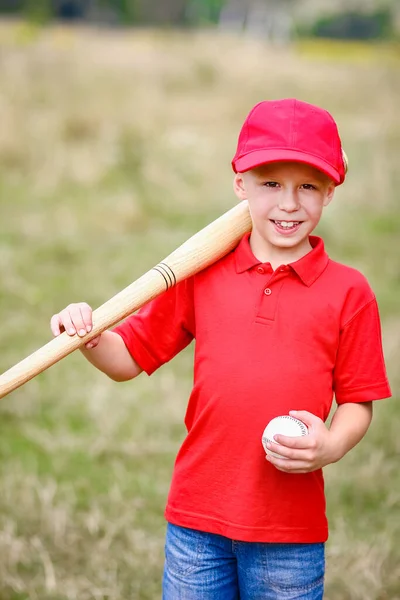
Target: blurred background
[118, 123]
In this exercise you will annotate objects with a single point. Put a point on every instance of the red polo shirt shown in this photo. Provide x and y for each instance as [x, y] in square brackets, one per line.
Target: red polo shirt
[266, 342]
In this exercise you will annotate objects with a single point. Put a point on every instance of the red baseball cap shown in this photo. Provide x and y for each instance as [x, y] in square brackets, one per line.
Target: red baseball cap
[291, 130]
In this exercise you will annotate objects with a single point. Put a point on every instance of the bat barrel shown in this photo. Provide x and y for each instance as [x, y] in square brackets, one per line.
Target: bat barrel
[198, 252]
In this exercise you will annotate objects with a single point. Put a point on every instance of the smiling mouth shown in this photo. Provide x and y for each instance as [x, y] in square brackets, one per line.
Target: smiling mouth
[286, 224]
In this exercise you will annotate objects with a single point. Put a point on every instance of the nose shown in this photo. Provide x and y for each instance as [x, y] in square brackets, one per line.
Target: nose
[289, 201]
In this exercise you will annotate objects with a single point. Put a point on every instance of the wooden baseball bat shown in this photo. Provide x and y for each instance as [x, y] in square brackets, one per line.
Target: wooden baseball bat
[198, 252]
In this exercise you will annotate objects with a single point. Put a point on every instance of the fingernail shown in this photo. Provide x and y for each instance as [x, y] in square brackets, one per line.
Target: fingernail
[88, 328]
[269, 445]
[82, 332]
[71, 331]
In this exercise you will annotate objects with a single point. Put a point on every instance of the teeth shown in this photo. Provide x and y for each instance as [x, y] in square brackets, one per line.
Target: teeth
[287, 224]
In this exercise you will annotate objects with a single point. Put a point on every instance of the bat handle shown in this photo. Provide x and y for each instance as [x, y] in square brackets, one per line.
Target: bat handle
[104, 317]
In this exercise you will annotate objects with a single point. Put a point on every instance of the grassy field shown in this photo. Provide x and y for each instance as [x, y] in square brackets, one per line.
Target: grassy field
[114, 148]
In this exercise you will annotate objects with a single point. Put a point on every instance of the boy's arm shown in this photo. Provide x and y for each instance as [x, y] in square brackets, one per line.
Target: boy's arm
[350, 423]
[322, 446]
[154, 335]
[107, 352]
[111, 356]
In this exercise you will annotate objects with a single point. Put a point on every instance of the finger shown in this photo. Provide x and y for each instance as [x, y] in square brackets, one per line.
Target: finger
[304, 441]
[66, 320]
[291, 453]
[86, 313]
[55, 324]
[290, 466]
[307, 417]
[76, 319]
[93, 343]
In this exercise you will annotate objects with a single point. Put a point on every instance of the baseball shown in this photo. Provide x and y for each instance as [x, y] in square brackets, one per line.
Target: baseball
[284, 425]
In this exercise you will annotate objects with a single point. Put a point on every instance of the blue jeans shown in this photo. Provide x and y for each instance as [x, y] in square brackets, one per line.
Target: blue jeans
[205, 566]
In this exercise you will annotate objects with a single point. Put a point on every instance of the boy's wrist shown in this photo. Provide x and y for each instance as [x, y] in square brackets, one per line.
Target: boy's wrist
[337, 447]
[349, 425]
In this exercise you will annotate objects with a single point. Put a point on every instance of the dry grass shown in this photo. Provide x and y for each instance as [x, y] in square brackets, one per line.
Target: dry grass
[114, 147]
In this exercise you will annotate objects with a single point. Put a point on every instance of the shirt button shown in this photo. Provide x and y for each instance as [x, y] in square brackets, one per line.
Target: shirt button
[267, 291]
[260, 270]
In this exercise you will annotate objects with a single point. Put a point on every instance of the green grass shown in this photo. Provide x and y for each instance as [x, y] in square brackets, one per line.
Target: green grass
[114, 148]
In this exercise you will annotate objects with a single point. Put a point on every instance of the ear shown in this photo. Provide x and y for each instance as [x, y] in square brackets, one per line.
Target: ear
[239, 186]
[330, 192]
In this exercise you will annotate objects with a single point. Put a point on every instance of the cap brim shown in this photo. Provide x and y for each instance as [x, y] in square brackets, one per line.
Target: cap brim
[262, 157]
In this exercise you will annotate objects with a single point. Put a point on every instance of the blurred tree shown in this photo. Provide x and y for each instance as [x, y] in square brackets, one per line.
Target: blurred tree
[127, 10]
[204, 11]
[10, 5]
[352, 25]
[354, 19]
[39, 11]
[71, 9]
[167, 12]
[270, 19]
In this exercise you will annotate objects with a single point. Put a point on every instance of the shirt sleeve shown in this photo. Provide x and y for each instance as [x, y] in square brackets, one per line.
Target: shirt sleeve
[360, 373]
[161, 329]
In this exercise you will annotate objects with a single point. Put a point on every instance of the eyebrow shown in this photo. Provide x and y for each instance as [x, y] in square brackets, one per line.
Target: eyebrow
[304, 178]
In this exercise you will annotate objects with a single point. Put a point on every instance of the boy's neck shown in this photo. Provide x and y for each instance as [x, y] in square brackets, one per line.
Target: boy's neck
[277, 256]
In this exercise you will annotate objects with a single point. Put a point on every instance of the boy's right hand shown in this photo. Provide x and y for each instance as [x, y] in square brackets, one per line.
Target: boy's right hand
[75, 319]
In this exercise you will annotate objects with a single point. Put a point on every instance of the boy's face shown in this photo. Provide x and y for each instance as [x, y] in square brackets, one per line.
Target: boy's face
[286, 200]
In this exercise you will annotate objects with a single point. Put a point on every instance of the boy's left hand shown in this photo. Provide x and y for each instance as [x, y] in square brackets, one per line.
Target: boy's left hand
[307, 453]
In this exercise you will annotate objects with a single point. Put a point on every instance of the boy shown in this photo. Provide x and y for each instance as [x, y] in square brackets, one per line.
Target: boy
[280, 328]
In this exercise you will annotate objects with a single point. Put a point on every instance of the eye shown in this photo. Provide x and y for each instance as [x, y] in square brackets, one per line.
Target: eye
[271, 184]
[308, 186]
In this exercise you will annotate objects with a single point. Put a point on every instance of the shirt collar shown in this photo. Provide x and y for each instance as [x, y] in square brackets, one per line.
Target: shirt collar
[308, 268]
